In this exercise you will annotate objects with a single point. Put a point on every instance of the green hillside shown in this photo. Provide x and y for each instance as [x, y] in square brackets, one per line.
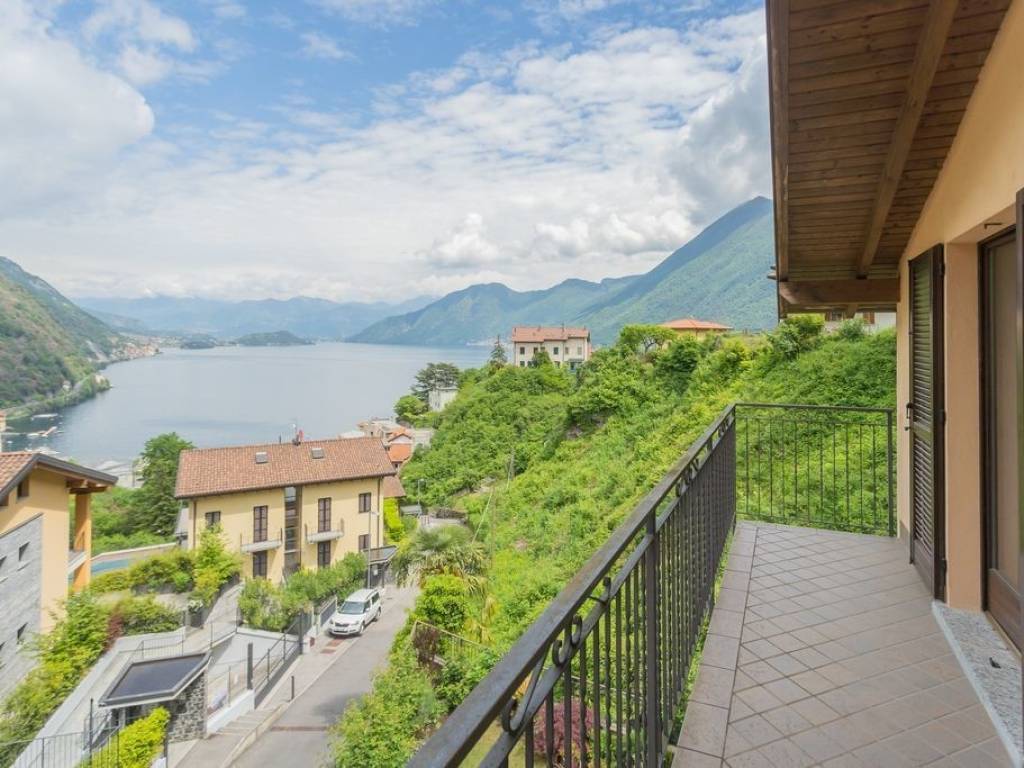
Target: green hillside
[720, 275]
[584, 452]
[45, 340]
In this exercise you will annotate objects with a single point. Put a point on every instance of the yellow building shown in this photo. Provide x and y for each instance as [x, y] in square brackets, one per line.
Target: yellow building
[284, 506]
[569, 347]
[40, 548]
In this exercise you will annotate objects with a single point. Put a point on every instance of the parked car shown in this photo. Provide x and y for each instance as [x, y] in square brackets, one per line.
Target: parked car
[358, 610]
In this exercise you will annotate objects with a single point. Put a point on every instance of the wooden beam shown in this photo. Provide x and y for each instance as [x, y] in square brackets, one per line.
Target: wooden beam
[839, 294]
[778, 76]
[936, 28]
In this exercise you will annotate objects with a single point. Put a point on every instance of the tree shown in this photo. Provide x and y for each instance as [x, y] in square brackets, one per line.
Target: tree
[642, 339]
[447, 550]
[408, 407]
[435, 376]
[499, 356]
[540, 357]
[154, 507]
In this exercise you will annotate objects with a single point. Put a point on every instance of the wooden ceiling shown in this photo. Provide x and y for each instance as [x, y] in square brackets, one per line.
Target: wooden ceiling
[866, 98]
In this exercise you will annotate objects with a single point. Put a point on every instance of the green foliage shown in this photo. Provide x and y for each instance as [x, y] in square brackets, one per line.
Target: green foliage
[443, 602]
[609, 383]
[394, 531]
[540, 358]
[499, 356]
[137, 745]
[460, 675]
[795, 335]
[113, 523]
[65, 654]
[677, 361]
[384, 727]
[142, 615]
[644, 339]
[408, 407]
[447, 549]
[851, 329]
[435, 376]
[268, 606]
[154, 506]
[161, 570]
[214, 565]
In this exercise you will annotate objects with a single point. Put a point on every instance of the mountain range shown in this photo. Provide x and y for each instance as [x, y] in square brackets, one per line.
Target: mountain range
[303, 316]
[45, 340]
[719, 275]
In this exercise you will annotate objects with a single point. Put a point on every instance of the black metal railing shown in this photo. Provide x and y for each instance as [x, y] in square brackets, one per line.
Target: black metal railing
[599, 677]
[819, 466]
[74, 750]
[263, 673]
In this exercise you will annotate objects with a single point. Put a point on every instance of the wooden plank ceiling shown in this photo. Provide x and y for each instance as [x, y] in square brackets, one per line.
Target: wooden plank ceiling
[866, 98]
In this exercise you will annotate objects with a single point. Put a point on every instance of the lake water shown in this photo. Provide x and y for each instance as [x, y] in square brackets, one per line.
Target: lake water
[236, 395]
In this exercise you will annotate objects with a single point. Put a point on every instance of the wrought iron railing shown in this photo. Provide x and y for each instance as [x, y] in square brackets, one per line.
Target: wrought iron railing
[599, 677]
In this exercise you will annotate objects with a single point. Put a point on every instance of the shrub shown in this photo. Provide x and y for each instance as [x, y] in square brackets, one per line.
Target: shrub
[444, 602]
[796, 334]
[851, 329]
[384, 727]
[393, 528]
[261, 604]
[141, 615]
[679, 360]
[214, 566]
[136, 746]
[112, 581]
[160, 570]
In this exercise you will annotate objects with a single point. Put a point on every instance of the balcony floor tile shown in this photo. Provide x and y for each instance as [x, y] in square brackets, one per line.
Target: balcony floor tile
[841, 662]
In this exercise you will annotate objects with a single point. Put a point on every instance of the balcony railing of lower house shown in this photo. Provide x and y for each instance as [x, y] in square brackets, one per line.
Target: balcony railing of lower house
[260, 541]
[599, 678]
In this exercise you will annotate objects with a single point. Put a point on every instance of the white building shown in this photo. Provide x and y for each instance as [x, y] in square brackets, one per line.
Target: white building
[568, 347]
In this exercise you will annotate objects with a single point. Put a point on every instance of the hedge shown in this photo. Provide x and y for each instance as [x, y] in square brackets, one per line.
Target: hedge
[136, 746]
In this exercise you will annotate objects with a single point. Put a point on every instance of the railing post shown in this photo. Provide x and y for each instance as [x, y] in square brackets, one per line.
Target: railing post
[89, 736]
[653, 725]
[248, 667]
[889, 477]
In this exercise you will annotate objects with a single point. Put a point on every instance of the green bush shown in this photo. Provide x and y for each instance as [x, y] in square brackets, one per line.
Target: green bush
[111, 581]
[136, 746]
[796, 334]
[262, 606]
[142, 615]
[214, 566]
[394, 531]
[383, 728]
[444, 602]
[851, 329]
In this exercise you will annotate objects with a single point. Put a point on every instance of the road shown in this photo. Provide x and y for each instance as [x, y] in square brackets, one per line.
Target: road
[301, 737]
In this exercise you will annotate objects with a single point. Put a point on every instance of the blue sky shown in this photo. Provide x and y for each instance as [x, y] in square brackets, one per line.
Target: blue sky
[368, 149]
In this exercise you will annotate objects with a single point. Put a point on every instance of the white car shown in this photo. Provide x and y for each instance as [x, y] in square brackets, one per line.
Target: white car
[358, 610]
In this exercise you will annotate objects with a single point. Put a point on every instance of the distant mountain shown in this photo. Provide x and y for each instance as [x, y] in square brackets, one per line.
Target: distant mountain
[303, 316]
[721, 275]
[271, 339]
[45, 340]
[482, 312]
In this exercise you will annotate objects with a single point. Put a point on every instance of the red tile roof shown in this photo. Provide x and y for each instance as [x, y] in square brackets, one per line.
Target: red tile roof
[399, 452]
[16, 465]
[539, 333]
[392, 488]
[214, 471]
[691, 324]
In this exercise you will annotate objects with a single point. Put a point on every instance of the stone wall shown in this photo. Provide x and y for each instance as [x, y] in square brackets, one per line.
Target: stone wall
[188, 712]
[20, 596]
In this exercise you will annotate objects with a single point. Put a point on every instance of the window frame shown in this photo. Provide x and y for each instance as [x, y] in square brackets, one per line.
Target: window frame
[323, 514]
[210, 519]
[364, 537]
[321, 548]
[261, 572]
[260, 522]
[366, 507]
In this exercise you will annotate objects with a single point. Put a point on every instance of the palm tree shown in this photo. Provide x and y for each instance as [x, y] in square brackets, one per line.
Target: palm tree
[447, 549]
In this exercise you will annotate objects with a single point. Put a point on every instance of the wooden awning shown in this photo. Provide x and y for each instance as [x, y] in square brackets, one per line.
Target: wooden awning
[866, 98]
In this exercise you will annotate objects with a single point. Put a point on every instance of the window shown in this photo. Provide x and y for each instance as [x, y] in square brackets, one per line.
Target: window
[259, 565]
[323, 554]
[323, 515]
[522, 363]
[259, 523]
[556, 350]
[2, 561]
[21, 633]
[212, 519]
[23, 489]
[364, 542]
[522, 350]
[3, 501]
[834, 317]
[365, 502]
[535, 350]
[22, 553]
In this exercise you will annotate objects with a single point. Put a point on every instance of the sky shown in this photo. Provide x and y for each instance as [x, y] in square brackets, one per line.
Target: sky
[365, 150]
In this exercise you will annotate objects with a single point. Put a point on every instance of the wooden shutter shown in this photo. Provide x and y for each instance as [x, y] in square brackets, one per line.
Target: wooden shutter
[926, 416]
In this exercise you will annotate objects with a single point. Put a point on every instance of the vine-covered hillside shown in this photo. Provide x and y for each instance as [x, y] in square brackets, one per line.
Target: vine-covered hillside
[582, 452]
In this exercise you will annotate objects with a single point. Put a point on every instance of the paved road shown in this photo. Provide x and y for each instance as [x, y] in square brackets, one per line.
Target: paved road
[300, 736]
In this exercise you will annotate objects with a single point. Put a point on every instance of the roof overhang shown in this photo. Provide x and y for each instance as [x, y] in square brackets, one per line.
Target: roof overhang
[79, 479]
[866, 99]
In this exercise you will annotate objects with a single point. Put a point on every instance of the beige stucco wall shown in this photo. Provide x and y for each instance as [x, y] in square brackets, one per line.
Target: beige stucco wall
[47, 496]
[977, 186]
[578, 349]
[236, 520]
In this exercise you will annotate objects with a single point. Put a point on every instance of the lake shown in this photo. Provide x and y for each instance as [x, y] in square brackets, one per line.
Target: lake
[236, 395]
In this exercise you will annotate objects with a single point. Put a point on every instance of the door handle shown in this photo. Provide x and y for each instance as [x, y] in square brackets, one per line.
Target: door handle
[909, 417]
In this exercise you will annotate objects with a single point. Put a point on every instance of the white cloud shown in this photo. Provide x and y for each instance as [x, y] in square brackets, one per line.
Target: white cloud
[378, 11]
[527, 165]
[142, 20]
[318, 46]
[61, 118]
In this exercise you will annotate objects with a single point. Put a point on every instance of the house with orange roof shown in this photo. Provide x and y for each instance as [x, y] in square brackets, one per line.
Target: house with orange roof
[566, 346]
[699, 328]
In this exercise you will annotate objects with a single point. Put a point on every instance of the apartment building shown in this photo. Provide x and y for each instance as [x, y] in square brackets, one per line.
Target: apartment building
[43, 545]
[568, 347]
[285, 506]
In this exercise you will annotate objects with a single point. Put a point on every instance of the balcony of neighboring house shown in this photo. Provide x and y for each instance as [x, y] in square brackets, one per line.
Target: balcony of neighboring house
[260, 541]
[325, 531]
[755, 609]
